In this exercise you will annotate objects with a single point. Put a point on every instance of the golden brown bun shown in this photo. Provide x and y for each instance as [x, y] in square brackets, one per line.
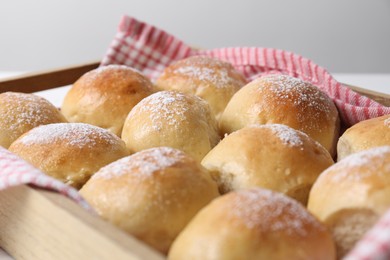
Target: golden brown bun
[104, 96]
[70, 152]
[284, 100]
[253, 224]
[364, 135]
[21, 112]
[350, 196]
[151, 194]
[174, 119]
[271, 156]
[213, 80]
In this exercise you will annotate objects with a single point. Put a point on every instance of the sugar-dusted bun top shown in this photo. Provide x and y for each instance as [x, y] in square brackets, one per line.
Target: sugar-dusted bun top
[21, 112]
[364, 135]
[70, 152]
[271, 156]
[253, 224]
[151, 194]
[174, 119]
[351, 196]
[359, 180]
[104, 96]
[285, 100]
[209, 78]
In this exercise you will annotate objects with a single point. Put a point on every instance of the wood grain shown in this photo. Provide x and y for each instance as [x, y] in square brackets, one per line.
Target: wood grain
[39, 224]
[43, 80]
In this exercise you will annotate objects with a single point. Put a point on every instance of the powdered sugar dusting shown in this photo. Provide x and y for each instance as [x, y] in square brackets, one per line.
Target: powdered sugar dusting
[112, 67]
[375, 161]
[271, 212]
[24, 109]
[72, 134]
[313, 102]
[91, 76]
[286, 134]
[143, 163]
[208, 69]
[168, 107]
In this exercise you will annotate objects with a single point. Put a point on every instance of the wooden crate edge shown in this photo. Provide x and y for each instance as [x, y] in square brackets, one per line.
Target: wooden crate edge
[40, 224]
[43, 80]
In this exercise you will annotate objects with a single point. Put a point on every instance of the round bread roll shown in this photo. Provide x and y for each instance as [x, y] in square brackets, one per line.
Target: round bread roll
[21, 112]
[103, 97]
[213, 80]
[350, 196]
[271, 156]
[151, 194]
[174, 119]
[69, 152]
[364, 135]
[253, 224]
[284, 100]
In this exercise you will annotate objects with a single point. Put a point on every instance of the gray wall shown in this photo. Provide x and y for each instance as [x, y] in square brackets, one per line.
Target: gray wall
[341, 35]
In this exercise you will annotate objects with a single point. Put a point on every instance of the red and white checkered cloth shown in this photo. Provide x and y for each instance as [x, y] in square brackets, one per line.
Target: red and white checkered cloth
[15, 171]
[150, 50]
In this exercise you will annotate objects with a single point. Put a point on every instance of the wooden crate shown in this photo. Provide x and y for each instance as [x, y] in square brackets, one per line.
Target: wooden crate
[39, 224]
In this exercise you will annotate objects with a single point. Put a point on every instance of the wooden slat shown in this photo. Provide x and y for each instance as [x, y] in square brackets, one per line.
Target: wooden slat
[43, 80]
[39, 224]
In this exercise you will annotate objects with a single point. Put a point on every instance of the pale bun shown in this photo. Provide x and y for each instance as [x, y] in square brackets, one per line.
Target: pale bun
[104, 96]
[21, 112]
[212, 79]
[271, 156]
[284, 100]
[350, 196]
[174, 119]
[151, 194]
[69, 152]
[253, 224]
[364, 135]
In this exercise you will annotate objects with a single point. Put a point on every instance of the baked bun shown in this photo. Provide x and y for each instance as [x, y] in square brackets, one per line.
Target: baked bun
[282, 99]
[213, 80]
[271, 156]
[364, 135]
[174, 119]
[21, 112]
[70, 152]
[103, 97]
[350, 196]
[151, 194]
[253, 224]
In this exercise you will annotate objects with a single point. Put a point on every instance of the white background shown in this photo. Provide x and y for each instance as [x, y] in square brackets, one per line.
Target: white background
[350, 36]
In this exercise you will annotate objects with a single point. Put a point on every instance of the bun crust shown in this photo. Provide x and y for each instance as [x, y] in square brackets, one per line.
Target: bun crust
[70, 152]
[21, 112]
[364, 135]
[214, 80]
[103, 97]
[281, 99]
[253, 224]
[350, 196]
[151, 194]
[272, 156]
[174, 119]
